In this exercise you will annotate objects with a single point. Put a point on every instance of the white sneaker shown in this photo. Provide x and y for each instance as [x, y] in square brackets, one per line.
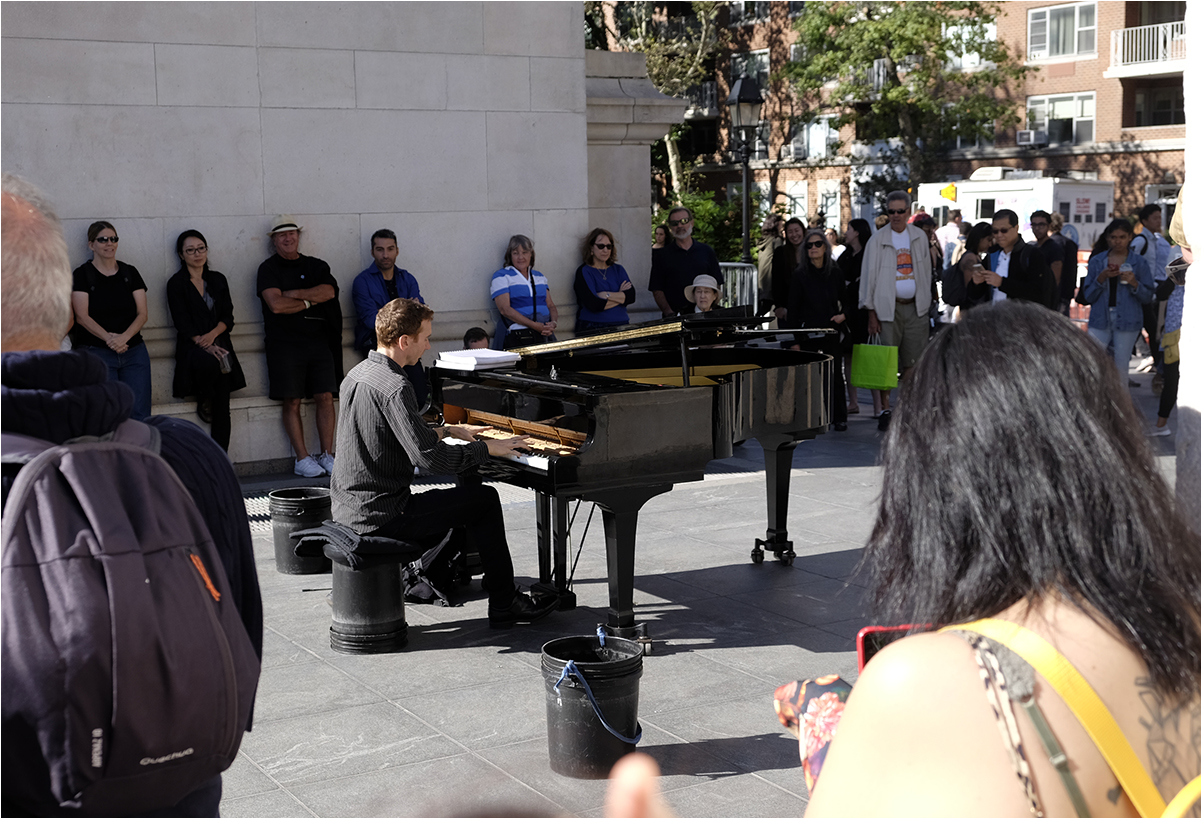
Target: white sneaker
[307, 467]
[1158, 432]
[326, 461]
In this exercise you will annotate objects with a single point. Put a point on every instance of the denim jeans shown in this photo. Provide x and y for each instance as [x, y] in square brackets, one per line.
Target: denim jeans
[131, 367]
[1122, 340]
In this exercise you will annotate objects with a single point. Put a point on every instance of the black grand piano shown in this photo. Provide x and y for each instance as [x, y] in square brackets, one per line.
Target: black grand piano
[620, 417]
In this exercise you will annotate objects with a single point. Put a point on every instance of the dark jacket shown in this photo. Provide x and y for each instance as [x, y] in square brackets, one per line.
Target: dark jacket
[192, 317]
[1028, 278]
[814, 296]
[784, 262]
[57, 396]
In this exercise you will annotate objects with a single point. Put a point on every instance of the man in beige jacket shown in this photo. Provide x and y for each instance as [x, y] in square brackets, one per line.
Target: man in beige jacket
[895, 286]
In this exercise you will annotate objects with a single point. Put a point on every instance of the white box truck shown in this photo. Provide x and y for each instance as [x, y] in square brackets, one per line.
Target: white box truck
[1086, 204]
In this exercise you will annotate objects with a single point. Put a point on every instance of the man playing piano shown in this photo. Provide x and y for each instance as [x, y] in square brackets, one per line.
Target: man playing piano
[382, 437]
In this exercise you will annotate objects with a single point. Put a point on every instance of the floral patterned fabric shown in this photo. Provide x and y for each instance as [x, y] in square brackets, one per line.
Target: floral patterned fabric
[810, 710]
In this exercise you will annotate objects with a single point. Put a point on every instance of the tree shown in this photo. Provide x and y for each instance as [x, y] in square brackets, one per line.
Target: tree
[914, 75]
[677, 50]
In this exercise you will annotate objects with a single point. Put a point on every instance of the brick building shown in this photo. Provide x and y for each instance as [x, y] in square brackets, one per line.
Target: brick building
[1105, 100]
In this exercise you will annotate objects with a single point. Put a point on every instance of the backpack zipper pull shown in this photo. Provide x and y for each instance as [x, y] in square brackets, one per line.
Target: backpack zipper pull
[204, 575]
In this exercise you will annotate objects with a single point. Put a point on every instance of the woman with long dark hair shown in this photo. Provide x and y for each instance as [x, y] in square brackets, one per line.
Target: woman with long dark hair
[785, 259]
[852, 263]
[972, 260]
[816, 299]
[109, 300]
[521, 295]
[603, 288]
[202, 311]
[1018, 486]
[1119, 283]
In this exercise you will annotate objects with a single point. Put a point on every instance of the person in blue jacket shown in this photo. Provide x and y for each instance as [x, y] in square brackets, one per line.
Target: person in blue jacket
[1117, 286]
[379, 284]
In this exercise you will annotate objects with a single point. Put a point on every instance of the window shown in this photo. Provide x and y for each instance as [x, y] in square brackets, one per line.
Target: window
[1099, 212]
[796, 7]
[1062, 31]
[797, 198]
[1068, 119]
[829, 202]
[957, 140]
[985, 208]
[797, 54]
[754, 63]
[1160, 106]
[967, 60]
[814, 140]
[747, 13]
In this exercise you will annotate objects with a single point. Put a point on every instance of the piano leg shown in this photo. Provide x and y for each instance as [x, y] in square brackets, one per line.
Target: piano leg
[620, 515]
[551, 514]
[778, 461]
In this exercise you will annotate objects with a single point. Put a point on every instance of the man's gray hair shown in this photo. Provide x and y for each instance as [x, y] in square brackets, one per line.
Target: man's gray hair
[895, 195]
[34, 266]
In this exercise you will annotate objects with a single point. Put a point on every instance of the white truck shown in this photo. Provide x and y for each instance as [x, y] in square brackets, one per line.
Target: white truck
[1086, 204]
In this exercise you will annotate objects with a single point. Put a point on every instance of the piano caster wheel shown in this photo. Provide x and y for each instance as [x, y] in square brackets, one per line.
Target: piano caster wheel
[637, 633]
[645, 642]
[786, 558]
[757, 556]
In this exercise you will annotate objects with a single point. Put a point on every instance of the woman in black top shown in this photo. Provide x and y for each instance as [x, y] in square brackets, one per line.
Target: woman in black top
[203, 313]
[816, 298]
[109, 300]
[851, 263]
[785, 259]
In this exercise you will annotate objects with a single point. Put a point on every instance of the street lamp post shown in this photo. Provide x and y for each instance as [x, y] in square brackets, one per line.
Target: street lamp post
[744, 103]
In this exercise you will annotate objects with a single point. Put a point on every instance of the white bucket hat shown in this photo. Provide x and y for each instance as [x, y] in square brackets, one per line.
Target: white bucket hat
[704, 280]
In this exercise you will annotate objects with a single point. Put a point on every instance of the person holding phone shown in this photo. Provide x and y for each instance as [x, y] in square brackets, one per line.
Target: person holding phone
[1117, 286]
[1096, 560]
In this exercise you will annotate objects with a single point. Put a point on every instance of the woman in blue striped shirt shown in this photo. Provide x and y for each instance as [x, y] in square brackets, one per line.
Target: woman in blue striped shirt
[522, 297]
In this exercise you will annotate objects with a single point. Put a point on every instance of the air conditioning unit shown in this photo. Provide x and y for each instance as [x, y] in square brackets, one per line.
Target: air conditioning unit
[1032, 138]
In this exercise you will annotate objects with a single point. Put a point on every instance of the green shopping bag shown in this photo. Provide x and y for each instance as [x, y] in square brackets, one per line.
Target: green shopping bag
[874, 366]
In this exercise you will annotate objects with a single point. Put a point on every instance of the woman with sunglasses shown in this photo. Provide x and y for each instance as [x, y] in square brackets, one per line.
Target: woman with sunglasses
[203, 313]
[816, 300]
[109, 301]
[603, 289]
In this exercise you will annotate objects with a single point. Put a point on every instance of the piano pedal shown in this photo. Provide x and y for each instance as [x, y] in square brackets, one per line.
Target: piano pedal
[567, 598]
[637, 633]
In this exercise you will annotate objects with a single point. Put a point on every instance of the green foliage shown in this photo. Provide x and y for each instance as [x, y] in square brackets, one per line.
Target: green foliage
[891, 65]
[718, 224]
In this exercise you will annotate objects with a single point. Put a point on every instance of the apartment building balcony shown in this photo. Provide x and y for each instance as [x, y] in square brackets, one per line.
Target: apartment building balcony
[1147, 51]
[703, 101]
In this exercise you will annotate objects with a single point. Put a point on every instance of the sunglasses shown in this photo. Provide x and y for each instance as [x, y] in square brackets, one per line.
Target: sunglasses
[678, 222]
[106, 240]
[815, 244]
[893, 212]
[600, 246]
[1002, 231]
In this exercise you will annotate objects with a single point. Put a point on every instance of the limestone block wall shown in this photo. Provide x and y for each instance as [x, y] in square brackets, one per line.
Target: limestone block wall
[454, 124]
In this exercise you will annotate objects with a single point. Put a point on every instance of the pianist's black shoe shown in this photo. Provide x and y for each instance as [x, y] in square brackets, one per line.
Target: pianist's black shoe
[523, 609]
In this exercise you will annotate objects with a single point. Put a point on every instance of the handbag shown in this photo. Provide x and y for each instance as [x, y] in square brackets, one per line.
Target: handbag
[874, 366]
[1091, 712]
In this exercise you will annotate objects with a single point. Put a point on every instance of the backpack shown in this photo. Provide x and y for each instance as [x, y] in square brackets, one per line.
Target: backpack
[123, 651]
[955, 293]
[432, 577]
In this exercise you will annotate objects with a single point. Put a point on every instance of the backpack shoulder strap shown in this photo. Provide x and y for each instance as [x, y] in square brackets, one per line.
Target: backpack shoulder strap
[1085, 704]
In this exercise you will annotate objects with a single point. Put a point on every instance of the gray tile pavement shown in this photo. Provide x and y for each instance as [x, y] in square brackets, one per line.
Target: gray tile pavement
[456, 723]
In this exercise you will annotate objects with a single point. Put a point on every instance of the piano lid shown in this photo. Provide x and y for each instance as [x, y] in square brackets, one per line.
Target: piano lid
[715, 327]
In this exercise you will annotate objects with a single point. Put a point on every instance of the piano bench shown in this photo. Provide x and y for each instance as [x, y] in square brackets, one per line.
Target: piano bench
[369, 604]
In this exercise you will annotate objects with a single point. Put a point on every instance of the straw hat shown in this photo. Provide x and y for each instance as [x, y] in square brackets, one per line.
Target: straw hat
[284, 222]
[703, 280]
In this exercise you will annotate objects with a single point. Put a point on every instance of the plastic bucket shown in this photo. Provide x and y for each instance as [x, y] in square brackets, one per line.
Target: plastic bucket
[369, 610]
[578, 741]
[292, 510]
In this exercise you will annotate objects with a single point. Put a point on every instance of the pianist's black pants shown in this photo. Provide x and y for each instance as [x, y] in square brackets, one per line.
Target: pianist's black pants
[477, 509]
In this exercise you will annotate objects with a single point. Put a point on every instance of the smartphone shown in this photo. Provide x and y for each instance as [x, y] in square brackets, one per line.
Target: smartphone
[872, 639]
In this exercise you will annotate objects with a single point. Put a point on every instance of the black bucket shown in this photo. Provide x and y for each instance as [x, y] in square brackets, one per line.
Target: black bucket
[292, 510]
[369, 610]
[579, 743]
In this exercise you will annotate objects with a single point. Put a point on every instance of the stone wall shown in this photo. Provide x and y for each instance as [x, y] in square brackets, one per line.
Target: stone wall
[454, 124]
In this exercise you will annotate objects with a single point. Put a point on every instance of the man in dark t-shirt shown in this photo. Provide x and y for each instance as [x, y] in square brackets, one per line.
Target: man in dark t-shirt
[300, 315]
[676, 264]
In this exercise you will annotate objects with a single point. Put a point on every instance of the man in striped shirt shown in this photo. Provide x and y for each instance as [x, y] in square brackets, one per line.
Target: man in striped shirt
[382, 436]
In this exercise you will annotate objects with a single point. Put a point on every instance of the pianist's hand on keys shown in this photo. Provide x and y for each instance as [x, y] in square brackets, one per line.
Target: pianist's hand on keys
[497, 447]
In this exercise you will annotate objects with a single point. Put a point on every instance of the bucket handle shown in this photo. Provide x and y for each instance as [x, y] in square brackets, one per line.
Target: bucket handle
[570, 669]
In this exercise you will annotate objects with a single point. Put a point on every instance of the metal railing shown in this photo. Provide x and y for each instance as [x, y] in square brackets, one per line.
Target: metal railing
[741, 284]
[703, 99]
[1159, 43]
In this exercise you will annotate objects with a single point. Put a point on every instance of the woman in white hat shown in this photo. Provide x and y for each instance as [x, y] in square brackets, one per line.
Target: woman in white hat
[703, 292]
